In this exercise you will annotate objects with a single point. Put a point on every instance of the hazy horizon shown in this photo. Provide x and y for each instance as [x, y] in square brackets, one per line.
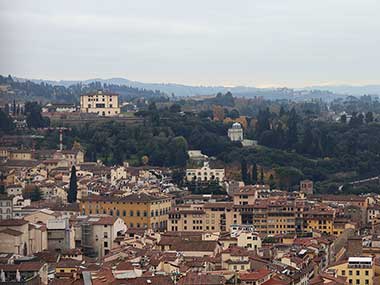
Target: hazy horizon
[290, 43]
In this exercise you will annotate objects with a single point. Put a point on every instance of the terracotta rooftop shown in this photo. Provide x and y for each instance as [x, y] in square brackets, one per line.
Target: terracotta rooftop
[11, 232]
[135, 197]
[255, 276]
[12, 222]
[202, 279]
[26, 266]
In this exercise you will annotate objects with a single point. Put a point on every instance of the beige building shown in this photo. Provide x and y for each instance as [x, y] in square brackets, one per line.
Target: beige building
[205, 173]
[96, 234]
[14, 236]
[101, 103]
[41, 216]
[60, 234]
[21, 155]
[249, 240]
[214, 217]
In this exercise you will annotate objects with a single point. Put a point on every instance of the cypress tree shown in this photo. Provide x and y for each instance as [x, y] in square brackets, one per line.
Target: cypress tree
[254, 173]
[262, 176]
[73, 188]
[244, 171]
[272, 183]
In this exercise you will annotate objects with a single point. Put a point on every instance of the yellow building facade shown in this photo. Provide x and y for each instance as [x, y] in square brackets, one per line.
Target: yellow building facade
[137, 210]
[357, 270]
[322, 220]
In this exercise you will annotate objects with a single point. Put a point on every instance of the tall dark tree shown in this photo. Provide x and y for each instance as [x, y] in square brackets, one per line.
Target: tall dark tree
[6, 109]
[263, 122]
[14, 108]
[234, 114]
[2, 188]
[272, 183]
[34, 117]
[343, 119]
[262, 175]
[369, 117]
[32, 192]
[292, 129]
[254, 173]
[6, 124]
[73, 187]
[244, 171]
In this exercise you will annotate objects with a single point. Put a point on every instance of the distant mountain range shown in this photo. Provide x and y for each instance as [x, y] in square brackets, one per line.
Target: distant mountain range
[181, 90]
[349, 89]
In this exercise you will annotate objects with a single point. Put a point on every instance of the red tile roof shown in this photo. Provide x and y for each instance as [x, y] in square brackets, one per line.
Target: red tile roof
[256, 275]
[11, 232]
[13, 222]
[201, 279]
[26, 266]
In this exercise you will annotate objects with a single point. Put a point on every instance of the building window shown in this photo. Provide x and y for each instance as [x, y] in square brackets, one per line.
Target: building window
[138, 213]
[105, 235]
[366, 272]
[124, 213]
[357, 272]
[131, 213]
[106, 244]
[145, 213]
[343, 272]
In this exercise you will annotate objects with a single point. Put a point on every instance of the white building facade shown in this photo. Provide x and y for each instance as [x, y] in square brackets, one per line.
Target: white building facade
[235, 133]
[101, 103]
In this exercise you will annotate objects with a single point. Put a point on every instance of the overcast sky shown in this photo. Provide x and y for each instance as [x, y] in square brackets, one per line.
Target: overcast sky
[255, 42]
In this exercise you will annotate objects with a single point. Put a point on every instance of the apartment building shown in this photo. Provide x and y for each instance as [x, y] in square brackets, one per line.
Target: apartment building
[138, 210]
[101, 103]
[216, 217]
[320, 218]
[356, 270]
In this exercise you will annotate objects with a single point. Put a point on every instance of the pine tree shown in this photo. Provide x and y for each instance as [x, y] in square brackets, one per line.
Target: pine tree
[73, 187]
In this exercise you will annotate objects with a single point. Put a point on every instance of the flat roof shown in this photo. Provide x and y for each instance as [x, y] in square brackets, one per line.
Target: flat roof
[360, 259]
